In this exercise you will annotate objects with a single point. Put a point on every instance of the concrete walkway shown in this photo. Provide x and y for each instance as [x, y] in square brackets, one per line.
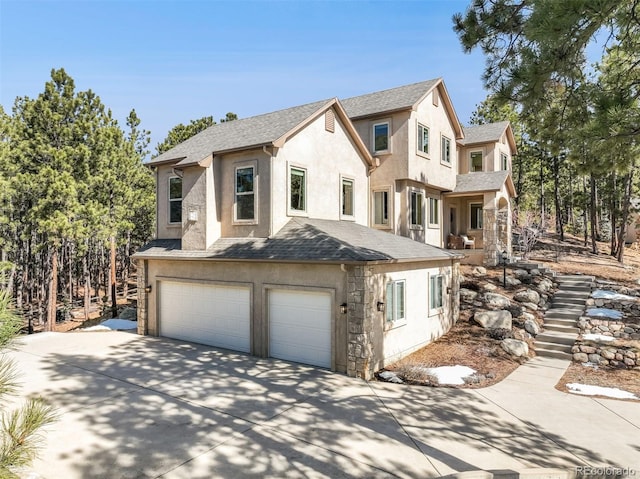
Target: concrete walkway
[133, 406]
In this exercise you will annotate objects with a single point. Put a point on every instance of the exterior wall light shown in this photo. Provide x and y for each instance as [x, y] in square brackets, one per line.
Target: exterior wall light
[147, 289]
[343, 308]
[380, 306]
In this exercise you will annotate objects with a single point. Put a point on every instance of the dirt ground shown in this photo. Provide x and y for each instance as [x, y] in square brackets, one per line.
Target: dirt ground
[469, 345]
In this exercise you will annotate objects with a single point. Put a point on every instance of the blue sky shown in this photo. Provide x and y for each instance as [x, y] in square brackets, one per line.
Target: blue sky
[174, 61]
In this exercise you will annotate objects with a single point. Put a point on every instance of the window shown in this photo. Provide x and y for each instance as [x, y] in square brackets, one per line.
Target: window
[416, 208]
[476, 161]
[245, 194]
[347, 197]
[434, 211]
[381, 137]
[381, 208]
[446, 150]
[504, 162]
[436, 293]
[175, 200]
[395, 301]
[476, 216]
[297, 189]
[423, 139]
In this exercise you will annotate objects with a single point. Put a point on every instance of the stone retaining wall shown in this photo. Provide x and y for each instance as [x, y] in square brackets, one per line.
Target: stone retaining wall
[604, 355]
[609, 327]
[629, 307]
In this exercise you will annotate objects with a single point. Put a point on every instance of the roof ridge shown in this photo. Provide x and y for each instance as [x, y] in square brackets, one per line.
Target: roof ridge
[386, 90]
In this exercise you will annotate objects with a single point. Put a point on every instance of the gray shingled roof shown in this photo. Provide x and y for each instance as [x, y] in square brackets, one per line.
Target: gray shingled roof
[387, 100]
[307, 240]
[489, 132]
[480, 181]
[253, 131]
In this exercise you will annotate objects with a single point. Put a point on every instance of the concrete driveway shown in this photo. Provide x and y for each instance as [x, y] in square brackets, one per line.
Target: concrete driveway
[133, 406]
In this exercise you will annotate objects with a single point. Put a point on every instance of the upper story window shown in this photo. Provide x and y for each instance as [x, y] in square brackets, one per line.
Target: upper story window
[381, 208]
[436, 291]
[298, 189]
[446, 150]
[381, 139]
[475, 161]
[347, 197]
[504, 161]
[416, 206]
[395, 301]
[475, 221]
[175, 199]
[423, 139]
[434, 211]
[245, 193]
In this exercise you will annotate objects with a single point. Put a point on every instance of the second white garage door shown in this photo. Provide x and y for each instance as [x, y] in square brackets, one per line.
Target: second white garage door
[207, 314]
[300, 326]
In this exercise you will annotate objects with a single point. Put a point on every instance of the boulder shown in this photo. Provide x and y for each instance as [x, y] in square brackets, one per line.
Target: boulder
[531, 306]
[489, 287]
[468, 295]
[530, 326]
[545, 285]
[495, 300]
[390, 377]
[511, 281]
[516, 310]
[515, 347]
[479, 271]
[535, 272]
[580, 357]
[494, 319]
[520, 273]
[527, 296]
[527, 316]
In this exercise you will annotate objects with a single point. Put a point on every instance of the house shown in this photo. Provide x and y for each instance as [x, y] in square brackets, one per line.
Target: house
[263, 243]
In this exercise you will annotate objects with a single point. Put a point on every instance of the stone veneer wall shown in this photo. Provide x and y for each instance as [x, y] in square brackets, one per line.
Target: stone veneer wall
[141, 266]
[490, 236]
[360, 323]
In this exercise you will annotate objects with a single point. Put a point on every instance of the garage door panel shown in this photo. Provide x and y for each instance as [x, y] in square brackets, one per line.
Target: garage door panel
[208, 314]
[300, 326]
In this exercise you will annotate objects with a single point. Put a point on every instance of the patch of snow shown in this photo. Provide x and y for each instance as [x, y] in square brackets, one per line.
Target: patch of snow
[597, 337]
[588, 390]
[604, 313]
[606, 294]
[113, 324]
[453, 375]
[391, 377]
[589, 364]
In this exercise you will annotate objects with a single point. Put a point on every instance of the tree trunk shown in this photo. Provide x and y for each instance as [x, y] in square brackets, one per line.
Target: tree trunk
[594, 246]
[541, 193]
[114, 299]
[613, 216]
[585, 207]
[626, 206]
[87, 283]
[556, 194]
[53, 291]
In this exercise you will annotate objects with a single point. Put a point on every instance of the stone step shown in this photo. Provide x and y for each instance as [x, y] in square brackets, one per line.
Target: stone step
[559, 321]
[561, 328]
[552, 346]
[582, 288]
[557, 337]
[552, 353]
[563, 313]
[567, 302]
[575, 277]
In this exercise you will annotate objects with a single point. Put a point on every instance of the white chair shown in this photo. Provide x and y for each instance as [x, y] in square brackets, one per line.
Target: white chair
[467, 241]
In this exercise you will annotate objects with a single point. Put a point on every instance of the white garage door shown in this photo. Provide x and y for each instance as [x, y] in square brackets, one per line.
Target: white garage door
[207, 314]
[300, 326]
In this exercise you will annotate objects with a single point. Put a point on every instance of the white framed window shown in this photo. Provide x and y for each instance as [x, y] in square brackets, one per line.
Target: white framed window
[504, 161]
[475, 216]
[381, 207]
[395, 301]
[446, 150]
[175, 200]
[436, 291]
[381, 137]
[423, 139]
[347, 199]
[297, 189]
[416, 206]
[434, 211]
[245, 194]
[475, 161]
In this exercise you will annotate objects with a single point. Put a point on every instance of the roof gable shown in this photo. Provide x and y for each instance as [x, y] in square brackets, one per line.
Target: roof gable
[488, 133]
[481, 181]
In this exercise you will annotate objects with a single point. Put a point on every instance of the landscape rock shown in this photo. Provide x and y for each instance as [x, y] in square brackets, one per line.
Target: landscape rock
[468, 295]
[479, 271]
[545, 285]
[494, 319]
[527, 296]
[519, 273]
[391, 377]
[515, 309]
[527, 316]
[531, 306]
[511, 281]
[489, 287]
[580, 357]
[495, 300]
[129, 313]
[535, 272]
[515, 347]
[530, 326]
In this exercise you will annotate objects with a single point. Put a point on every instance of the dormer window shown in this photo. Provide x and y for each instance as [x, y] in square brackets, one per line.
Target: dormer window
[381, 140]
[475, 163]
[175, 200]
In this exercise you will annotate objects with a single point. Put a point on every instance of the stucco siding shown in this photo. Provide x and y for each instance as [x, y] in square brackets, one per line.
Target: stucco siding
[163, 227]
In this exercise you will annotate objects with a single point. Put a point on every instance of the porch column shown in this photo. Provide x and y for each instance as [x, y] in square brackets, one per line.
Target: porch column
[490, 236]
[360, 323]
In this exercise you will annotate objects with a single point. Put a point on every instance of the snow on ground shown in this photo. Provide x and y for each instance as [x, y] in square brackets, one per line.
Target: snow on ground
[612, 295]
[604, 313]
[453, 375]
[113, 324]
[588, 390]
[597, 337]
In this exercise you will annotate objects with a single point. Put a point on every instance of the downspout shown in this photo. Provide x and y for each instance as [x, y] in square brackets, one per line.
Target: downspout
[266, 152]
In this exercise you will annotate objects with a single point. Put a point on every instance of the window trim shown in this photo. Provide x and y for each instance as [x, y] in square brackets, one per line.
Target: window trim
[433, 309]
[373, 137]
[444, 138]
[388, 224]
[420, 225]
[254, 192]
[419, 139]
[344, 215]
[170, 200]
[429, 219]
[291, 211]
[471, 153]
[471, 205]
[391, 316]
[504, 161]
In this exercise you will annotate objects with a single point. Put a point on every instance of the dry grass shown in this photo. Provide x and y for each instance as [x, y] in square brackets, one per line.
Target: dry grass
[625, 379]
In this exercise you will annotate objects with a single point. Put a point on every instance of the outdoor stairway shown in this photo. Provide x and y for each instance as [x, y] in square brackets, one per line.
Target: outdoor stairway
[560, 320]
